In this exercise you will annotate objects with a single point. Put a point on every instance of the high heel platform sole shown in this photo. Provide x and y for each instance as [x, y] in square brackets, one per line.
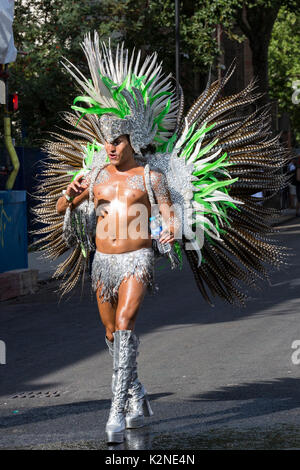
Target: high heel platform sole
[132, 423]
[139, 421]
[147, 410]
[115, 437]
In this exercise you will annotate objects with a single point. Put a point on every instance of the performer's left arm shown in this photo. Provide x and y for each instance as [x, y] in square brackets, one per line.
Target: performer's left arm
[162, 195]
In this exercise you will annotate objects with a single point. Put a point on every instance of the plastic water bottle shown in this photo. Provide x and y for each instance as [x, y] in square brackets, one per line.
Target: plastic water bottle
[156, 229]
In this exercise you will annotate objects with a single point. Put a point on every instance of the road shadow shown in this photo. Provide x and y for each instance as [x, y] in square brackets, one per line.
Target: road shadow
[50, 413]
[239, 424]
[43, 335]
[247, 402]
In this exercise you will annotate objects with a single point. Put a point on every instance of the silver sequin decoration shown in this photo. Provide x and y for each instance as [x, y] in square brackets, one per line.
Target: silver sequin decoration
[112, 127]
[136, 182]
[79, 225]
[160, 188]
[138, 124]
[103, 176]
[178, 176]
[109, 270]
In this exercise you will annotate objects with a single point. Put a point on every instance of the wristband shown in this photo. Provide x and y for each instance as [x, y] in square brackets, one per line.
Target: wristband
[68, 198]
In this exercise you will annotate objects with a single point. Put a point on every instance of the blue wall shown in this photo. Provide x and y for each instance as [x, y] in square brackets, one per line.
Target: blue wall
[13, 230]
[27, 179]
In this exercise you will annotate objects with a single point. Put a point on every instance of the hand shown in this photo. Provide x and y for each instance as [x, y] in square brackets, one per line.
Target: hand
[166, 237]
[77, 186]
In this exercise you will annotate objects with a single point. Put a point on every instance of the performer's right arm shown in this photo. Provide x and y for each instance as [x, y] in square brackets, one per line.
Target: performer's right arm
[78, 191]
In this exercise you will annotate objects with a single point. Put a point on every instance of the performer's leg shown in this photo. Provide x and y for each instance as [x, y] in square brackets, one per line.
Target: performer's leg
[107, 311]
[119, 322]
[131, 294]
[124, 358]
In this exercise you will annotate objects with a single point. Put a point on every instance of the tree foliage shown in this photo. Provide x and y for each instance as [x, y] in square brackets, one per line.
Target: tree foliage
[284, 65]
[47, 30]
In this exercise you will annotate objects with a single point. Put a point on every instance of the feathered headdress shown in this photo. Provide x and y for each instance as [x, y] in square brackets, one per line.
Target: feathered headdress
[128, 96]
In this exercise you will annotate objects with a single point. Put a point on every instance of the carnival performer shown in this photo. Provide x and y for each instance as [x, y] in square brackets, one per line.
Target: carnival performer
[123, 265]
[147, 182]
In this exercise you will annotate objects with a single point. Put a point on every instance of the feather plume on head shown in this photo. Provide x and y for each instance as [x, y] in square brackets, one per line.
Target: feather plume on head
[129, 97]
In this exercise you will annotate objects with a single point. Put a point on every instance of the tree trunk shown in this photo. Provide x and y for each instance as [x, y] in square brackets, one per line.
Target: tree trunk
[257, 24]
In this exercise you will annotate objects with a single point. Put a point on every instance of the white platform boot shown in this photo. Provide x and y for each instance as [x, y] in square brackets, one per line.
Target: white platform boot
[138, 405]
[124, 360]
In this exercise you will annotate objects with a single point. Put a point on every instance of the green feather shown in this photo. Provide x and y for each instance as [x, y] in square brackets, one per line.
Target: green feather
[178, 252]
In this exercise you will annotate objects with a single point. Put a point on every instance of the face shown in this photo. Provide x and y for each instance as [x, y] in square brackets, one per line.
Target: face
[119, 151]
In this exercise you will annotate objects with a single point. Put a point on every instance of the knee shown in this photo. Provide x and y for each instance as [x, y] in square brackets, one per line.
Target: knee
[125, 320]
[124, 323]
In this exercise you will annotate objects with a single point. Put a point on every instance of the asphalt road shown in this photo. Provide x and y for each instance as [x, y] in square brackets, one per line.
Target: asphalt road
[218, 377]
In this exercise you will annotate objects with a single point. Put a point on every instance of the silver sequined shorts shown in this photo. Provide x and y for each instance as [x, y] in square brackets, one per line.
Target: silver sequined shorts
[109, 270]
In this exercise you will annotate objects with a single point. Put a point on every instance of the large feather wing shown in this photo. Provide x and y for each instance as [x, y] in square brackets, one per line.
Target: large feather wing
[67, 154]
[224, 153]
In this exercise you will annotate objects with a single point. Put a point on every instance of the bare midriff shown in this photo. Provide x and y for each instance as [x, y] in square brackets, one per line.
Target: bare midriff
[122, 213]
